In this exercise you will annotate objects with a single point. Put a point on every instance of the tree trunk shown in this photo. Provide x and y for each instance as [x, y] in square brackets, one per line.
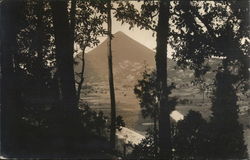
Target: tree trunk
[111, 81]
[10, 19]
[64, 54]
[38, 43]
[81, 76]
[155, 134]
[72, 23]
[161, 67]
[69, 126]
[72, 29]
[225, 119]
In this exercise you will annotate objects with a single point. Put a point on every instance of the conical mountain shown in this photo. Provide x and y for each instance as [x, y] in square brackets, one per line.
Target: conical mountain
[129, 60]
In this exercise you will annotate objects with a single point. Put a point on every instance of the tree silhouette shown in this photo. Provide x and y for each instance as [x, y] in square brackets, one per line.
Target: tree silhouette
[64, 54]
[105, 7]
[196, 41]
[145, 149]
[146, 20]
[191, 137]
[38, 94]
[162, 33]
[89, 25]
[68, 115]
[205, 38]
[111, 81]
[227, 133]
[10, 26]
[39, 114]
[146, 91]
[35, 56]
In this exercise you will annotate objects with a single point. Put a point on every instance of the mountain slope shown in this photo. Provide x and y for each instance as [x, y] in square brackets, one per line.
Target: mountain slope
[129, 61]
[129, 57]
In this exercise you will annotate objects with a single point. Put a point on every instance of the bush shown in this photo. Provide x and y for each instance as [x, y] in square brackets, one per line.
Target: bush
[145, 149]
[190, 137]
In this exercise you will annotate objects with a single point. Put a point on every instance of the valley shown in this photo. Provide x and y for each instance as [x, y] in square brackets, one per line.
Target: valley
[130, 58]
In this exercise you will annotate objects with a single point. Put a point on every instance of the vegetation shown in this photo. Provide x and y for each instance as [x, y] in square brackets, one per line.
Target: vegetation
[224, 120]
[147, 93]
[42, 112]
[88, 26]
[111, 81]
[191, 137]
[146, 149]
[230, 75]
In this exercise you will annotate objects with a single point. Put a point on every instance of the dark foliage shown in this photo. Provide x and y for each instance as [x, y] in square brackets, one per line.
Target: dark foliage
[227, 133]
[191, 137]
[162, 35]
[220, 32]
[88, 26]
[38, 115]
[195, 42]
[145, 149]
[39, 103]
[147, 93]
[10, 95]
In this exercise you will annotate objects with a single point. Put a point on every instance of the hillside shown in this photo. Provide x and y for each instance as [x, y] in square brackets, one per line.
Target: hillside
[129, 60]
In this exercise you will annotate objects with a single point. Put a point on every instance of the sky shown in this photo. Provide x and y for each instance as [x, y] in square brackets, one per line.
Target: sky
[144, 37]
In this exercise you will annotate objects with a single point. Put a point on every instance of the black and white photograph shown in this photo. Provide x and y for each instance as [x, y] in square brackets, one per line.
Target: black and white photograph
[124, 79]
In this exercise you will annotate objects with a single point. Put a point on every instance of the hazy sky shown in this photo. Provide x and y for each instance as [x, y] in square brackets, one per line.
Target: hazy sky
[145, 37]
[142, 36]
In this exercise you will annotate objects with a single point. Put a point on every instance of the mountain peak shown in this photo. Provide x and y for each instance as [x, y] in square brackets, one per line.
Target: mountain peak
[119, 33]
[129, 58]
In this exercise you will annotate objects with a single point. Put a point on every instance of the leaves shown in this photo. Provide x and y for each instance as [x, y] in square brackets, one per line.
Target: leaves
[89, 24]
[93, 121]
[36, 40]
[146, 91]
[191, 137]
[210, 29]
[119, 123]
[144, 19]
